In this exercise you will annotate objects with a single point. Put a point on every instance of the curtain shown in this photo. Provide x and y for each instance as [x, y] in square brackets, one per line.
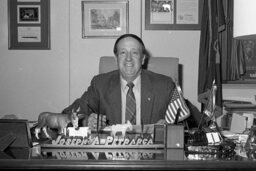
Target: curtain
[213, 24]
[232, 51]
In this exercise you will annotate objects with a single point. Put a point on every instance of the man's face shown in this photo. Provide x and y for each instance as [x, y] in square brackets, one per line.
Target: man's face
[130, 58]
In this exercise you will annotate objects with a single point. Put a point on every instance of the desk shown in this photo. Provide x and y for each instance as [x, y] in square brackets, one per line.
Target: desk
[127, 165]
[40, 157]
[87, 159]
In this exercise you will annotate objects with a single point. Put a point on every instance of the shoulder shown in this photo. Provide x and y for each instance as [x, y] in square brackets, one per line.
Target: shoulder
[106, 76]
[153, 76]
[102, 82]
[157, 82]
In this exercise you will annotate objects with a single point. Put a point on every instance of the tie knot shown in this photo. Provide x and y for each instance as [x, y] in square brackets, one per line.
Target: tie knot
[130, 85]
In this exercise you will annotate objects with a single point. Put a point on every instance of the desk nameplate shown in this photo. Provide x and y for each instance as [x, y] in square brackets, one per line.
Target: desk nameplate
[101, 140]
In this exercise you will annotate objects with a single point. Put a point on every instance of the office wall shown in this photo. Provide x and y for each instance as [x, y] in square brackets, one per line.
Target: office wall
[32, 81]
[85, 53]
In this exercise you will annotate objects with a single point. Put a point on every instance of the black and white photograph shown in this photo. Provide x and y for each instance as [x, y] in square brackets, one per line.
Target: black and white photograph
[29, 14]
[104, 18]
[128, 85]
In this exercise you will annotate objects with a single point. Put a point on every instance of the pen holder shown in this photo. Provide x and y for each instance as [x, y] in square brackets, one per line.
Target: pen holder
[174, 136]
[159, 134]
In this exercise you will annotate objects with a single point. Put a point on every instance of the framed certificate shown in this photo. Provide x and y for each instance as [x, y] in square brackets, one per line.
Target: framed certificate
[173, 14]
[29, 24]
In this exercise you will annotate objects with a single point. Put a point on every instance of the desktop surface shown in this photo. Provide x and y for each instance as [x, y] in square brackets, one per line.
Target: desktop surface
[192, 158]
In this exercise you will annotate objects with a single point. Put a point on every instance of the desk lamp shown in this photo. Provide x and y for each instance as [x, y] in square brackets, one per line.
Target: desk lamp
[244, 27]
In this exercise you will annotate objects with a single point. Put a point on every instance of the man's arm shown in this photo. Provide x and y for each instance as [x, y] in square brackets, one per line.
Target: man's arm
[74, 106]
[88, 107]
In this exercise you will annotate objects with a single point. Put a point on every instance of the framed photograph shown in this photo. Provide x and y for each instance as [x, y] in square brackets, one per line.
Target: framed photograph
[29, 24]
[173, 14]
[107, 18]
[248, 56]
[249, 51]
[28, 14]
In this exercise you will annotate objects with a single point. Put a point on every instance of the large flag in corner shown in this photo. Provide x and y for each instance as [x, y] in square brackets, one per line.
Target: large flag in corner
[213, 23]
[177, 102]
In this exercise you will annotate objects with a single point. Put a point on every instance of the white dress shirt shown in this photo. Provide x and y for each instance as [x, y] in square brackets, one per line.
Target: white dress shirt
[137, 94]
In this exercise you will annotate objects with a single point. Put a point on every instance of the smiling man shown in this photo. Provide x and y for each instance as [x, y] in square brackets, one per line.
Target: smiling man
[128, 93]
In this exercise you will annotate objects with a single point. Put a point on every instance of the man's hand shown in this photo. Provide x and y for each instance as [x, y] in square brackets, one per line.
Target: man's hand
[92, 121]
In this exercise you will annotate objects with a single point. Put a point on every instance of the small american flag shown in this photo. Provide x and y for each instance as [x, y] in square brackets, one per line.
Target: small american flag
[177, 101]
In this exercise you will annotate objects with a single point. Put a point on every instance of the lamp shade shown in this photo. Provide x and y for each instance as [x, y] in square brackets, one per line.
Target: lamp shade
[244, 27]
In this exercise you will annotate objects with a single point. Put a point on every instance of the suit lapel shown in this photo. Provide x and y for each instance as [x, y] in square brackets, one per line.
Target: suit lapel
[147, 99]
[115, 98]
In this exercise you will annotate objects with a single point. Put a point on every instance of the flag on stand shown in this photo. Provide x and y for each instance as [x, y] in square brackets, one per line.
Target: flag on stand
[210, 54]
[177, 102]
[210, 106]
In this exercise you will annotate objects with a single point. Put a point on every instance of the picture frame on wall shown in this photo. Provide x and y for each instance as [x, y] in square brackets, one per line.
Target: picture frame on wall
[248, 47]
[173, 14]
[104, 19]
[29, 24]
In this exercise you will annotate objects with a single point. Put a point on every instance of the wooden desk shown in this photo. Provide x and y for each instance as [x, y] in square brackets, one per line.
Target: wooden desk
[158, 160]
[127, 165]
[119, 159]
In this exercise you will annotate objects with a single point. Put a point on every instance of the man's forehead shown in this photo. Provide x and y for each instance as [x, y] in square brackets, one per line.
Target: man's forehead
[129, 41]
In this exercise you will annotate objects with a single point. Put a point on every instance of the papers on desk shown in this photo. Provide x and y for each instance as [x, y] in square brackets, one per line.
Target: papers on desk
[213, 138]
[240, 138]
[230, 135]
[238, 123]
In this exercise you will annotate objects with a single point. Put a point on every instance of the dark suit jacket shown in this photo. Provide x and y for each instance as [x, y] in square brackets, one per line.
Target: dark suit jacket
[104, 97]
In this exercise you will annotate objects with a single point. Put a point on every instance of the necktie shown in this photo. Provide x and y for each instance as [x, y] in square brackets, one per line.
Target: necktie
[130, 112]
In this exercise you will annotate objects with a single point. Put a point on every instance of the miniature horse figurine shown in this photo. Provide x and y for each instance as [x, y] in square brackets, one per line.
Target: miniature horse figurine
[123, 128]
[55, 120]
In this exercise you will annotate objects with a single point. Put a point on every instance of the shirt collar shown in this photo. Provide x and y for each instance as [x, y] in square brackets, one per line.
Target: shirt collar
[136, 83]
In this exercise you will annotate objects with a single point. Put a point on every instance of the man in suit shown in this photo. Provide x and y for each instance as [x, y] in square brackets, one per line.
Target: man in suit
[106, 95]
